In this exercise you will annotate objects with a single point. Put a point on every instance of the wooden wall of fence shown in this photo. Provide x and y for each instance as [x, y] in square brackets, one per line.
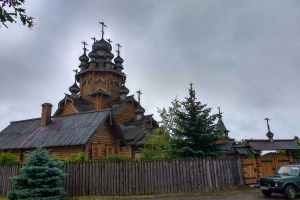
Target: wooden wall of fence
[140, 177]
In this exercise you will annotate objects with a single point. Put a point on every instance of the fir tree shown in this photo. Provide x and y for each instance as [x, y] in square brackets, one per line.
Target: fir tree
[40, 178]
[195, 134]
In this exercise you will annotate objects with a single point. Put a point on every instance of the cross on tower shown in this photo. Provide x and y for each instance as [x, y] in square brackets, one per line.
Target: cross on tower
[103, 25]
[84, 46]
[268, 123]
[118, 51]
[139, 96]
[219, 111]
[93, 38]
[108, 40]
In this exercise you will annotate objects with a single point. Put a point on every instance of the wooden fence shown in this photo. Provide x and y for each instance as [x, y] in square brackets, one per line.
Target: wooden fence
[140, 177]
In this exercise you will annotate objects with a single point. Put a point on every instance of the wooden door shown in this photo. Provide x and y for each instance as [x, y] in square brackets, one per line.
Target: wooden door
[280, 160]
[249, 170]
[268, 164]
[271, 162]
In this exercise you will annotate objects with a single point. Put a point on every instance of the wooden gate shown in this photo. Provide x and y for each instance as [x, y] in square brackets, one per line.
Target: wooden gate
[271, 162]
[249, 170]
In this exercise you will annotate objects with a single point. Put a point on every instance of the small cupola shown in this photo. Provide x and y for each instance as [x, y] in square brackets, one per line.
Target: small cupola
[84, 59]
[118, 60]
[269, 134]
[74, 89]
[123, 92]
[220, 126]
[139, 110]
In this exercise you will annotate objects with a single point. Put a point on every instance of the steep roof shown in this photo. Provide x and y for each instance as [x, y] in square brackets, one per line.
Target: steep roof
[65, 130]
[221, 126]
[261, 145]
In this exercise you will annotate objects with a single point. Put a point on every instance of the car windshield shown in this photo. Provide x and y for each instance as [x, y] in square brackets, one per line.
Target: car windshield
[288, 170]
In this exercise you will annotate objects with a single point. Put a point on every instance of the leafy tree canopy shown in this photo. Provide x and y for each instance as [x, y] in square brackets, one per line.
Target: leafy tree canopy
[157, 145]
[11, 9]
[40, 178]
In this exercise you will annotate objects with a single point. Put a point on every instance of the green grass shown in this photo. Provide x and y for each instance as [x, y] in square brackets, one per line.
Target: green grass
[224, 192]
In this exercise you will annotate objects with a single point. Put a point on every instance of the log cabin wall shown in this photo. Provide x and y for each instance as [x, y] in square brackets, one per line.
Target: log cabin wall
[105, 137]
[127, 113]
[61, 153]
[126, 151]
[67, 108]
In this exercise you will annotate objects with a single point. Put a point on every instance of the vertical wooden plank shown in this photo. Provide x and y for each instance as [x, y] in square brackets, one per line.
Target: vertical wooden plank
[198, 175]
[175, 176]
[121, 171]
[145, 172]
[170, 177]
[208, 174]
[217, 187]
[158, 177]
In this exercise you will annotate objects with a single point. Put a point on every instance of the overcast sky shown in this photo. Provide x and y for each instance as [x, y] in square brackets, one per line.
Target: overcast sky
[242, 56]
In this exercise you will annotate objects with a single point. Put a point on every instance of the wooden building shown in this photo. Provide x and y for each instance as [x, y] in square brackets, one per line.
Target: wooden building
[98, 117]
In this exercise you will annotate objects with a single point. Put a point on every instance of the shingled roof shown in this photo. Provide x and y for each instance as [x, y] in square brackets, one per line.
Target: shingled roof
[261, 145]
[66, 130]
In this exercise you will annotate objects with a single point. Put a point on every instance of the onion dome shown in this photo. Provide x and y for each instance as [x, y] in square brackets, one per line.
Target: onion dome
[118, 59]
[93, 54]
[123, 90]
[109, 55]
[139, 110]
[84, 59]
[74, 89]
[118, 63]
[102, 45]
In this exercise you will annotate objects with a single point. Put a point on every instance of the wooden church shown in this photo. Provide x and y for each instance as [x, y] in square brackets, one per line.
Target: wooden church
[97, 118]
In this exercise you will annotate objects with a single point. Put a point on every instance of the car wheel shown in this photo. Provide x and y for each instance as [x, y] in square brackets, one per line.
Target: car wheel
[266, 193]
[290, 192]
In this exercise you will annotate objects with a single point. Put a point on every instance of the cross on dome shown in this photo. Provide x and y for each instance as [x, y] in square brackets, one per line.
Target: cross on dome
[108, 40]
[139, 95]
[84, 44]
[267, 119]
[103, 25]
[94, 39]
[118, 51]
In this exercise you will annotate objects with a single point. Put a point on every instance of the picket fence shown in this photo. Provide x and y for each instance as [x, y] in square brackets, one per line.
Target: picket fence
[142, 177]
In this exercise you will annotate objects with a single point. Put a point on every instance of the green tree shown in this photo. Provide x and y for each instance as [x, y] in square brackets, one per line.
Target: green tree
[10, 9]
[40, 178]
[194, 133]
[168, 117]
[157, 145]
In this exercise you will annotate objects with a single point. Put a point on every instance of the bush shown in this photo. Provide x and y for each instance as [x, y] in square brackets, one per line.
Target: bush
[40, 178]
[77, 157]
[8, 158]
[115, 158]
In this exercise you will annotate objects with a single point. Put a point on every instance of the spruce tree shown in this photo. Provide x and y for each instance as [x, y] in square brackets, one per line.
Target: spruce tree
[195, 134]
[40, 178]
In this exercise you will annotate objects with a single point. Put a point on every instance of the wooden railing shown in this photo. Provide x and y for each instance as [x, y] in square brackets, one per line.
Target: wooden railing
[141, 177]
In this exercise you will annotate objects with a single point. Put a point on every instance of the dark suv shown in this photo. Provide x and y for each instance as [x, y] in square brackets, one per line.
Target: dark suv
[285, 181]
